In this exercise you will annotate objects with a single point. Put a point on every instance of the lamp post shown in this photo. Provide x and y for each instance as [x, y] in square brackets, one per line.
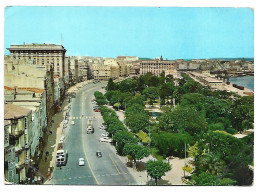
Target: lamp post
[149, 138]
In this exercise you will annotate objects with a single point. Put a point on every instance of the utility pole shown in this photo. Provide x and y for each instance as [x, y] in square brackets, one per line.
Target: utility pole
[185, 158]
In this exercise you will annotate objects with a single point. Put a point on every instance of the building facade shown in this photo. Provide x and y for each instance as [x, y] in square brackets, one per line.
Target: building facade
[41, 54]
[156, 67]
[19, 120]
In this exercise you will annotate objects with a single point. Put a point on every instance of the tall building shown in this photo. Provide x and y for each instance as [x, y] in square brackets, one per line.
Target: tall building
[41, 54]
[157, 66]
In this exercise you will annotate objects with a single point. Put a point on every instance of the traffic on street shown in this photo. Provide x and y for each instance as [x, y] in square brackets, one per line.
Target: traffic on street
[91, 159]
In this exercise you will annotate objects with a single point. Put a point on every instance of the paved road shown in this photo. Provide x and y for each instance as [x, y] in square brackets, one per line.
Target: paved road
[108, 170]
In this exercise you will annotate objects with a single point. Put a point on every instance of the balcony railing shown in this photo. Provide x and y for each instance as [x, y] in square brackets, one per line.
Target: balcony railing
[16, 133]
[18, 149]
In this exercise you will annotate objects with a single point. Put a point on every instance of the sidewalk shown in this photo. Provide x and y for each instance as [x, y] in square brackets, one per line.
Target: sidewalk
[50, 142]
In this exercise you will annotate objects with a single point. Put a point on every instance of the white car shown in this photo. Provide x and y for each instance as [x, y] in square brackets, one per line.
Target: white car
[104, 134]
[105, 139]
[81, 162]
[102, 127]
[72, 123]
[62, 139]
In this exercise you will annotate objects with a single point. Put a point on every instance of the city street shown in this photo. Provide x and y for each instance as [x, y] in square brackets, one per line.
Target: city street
[107, 170]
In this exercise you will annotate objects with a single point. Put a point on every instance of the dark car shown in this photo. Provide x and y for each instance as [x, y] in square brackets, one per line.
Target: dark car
[99, 154]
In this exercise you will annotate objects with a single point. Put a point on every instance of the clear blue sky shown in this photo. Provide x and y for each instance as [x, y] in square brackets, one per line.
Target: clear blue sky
[174, 33]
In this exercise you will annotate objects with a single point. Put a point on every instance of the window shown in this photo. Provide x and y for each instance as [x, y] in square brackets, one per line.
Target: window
[25, 123]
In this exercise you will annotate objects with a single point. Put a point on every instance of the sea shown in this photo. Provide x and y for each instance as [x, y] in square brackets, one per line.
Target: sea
[246, 81]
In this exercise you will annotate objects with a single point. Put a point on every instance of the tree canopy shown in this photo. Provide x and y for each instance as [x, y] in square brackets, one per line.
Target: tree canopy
[157, 169]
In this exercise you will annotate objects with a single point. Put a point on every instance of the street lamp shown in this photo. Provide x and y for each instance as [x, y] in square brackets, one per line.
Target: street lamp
[149, 138]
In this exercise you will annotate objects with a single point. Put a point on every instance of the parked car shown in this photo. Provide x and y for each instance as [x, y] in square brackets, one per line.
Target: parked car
[105, 139]
[81, 162]
[98, 154]
[105, 134]
[97, 110]
[62, 139]
[90, 130]
[72, 123]
[102, 127]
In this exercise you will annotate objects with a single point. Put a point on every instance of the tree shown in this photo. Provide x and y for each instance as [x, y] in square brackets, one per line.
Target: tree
[137, 151]
[137, 121]
[111, 85]
[166, 90]
[123, 137]
[136, 118]
[127, 85]
[137, 99]
[162, 77]
[242, 113]
[183, 119]
[210, 162]
[171, 143]
[218, 111]
[154, 81]
[227, 147]
[151, 93]
[206, 179]
[195, 100]
[157, 169]
[100, 98]
[143, 136]
[115, 127]
[192, 86]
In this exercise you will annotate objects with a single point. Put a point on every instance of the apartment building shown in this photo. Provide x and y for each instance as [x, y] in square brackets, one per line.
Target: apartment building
[18, 155]
[35, 100]
[41, 54]
[156, 67]
[19, 75]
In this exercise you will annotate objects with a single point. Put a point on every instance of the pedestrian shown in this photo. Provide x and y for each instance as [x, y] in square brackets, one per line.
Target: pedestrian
[39, 179]
[47, 153]
[48, 176]
[42, 180]
[45, 158]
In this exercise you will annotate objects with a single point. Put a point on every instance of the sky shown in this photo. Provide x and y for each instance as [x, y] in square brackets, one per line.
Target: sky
[149, 32]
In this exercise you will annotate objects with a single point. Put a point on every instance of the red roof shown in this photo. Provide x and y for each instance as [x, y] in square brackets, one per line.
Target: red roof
[8, 88]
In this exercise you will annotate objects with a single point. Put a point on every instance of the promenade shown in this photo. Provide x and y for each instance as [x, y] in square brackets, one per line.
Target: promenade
[228, 88]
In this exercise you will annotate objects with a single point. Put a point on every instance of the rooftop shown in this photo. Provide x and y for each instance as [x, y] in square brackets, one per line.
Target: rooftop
[14, 112]
[36, 46]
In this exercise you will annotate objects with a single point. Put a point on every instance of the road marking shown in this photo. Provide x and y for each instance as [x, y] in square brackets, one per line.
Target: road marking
[114, 164]
[83, 143]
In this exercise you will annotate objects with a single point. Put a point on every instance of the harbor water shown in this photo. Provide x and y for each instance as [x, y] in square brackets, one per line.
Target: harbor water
[246, 81]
